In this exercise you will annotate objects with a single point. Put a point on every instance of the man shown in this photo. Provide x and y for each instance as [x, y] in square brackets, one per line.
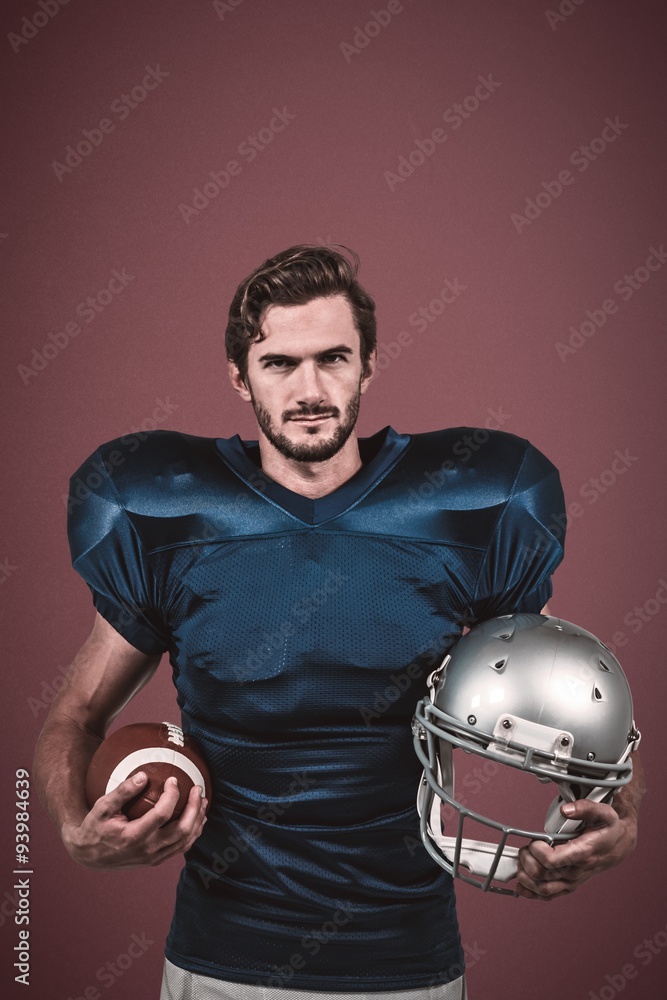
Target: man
[304, 586]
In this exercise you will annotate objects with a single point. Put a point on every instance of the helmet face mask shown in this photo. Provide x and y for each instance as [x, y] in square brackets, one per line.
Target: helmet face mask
[533, 694]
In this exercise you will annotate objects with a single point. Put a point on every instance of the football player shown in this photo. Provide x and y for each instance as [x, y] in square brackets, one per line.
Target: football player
[303, 586]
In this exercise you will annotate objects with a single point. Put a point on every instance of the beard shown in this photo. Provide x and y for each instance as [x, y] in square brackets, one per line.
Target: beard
[318, 451]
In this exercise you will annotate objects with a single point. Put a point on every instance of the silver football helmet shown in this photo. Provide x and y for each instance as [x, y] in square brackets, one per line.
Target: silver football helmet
[534, 693]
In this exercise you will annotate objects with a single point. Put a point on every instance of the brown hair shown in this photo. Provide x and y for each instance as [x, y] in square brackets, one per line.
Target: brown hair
[294, 277]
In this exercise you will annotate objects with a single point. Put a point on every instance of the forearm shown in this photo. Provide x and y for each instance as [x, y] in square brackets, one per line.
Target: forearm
[104, 675]
[628, 799]
[106, 672]
[62, 755]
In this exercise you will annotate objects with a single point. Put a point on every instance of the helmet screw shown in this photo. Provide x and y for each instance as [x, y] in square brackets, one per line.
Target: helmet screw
[565, 741]
[507, 724]
[472, 720]
[590, 755]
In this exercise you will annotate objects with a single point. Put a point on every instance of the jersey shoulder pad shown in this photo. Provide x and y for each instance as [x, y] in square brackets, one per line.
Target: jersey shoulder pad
[158, 472]
[474, 457]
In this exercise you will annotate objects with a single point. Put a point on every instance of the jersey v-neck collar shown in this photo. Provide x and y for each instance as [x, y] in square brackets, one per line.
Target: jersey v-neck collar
[379, 453]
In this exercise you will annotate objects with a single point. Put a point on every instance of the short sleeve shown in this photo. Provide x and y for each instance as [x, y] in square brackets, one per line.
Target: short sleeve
[526, 546]
[107, 552]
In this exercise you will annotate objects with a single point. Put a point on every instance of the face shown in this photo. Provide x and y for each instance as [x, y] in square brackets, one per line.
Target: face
[305, 378]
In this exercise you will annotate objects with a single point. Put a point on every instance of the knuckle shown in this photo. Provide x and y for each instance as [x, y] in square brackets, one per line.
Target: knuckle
[163, 811]
[534, 869]
[554, 870]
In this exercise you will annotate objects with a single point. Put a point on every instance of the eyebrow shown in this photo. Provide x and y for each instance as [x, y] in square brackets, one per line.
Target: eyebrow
[340, 349]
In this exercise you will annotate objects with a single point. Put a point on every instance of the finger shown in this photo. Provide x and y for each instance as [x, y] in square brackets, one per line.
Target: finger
[201, 818]
[111, 803]
[173, 839]
[540, 859]
[163, 854]
[190, 821]
[195, 836]
[544, 896]
[194, 808]
[549, 887]
[161, 812]
[553, 868]
[529, 864]
[178, 830]
[573, 853]
[592, 814]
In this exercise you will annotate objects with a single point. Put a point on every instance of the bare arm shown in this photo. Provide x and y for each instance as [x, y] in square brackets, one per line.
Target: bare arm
[609, 835]
[105, 674]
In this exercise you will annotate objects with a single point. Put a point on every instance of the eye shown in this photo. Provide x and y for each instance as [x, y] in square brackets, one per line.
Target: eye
[278, 364]
[333, 359]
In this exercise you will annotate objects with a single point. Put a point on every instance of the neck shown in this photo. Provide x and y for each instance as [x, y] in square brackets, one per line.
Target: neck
[311, 479]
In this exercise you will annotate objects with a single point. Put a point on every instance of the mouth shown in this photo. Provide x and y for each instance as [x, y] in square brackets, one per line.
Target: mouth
[318, 419]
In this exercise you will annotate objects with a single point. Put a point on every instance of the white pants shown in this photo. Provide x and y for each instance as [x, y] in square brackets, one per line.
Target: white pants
[177, 984]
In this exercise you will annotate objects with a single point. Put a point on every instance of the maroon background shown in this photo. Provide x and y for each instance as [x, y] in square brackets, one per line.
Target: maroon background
[323, 179]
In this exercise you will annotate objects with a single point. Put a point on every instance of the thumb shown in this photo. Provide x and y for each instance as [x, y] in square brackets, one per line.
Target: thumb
[589, 813]
[113, 802]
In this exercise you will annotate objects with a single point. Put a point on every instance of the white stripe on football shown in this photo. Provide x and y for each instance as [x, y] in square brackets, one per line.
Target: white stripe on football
[154, 755]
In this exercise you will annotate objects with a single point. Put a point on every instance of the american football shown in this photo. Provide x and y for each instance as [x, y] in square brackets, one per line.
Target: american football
[158, 748]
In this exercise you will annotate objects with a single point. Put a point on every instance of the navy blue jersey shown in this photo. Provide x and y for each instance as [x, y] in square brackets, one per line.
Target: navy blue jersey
[300, 634]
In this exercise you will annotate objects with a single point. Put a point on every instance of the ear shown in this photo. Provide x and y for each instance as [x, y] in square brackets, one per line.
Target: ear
[236, 379]
[369, 371]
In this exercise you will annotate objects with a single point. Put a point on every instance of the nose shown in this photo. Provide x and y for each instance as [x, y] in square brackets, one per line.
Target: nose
[310, 391]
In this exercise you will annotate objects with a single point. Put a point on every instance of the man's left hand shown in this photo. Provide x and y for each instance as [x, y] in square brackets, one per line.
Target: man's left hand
[609, 834]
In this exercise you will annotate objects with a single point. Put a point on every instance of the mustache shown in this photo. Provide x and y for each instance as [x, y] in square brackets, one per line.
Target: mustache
[312, 411]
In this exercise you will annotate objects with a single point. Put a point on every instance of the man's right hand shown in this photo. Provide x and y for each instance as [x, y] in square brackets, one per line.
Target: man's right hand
[107, 840]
